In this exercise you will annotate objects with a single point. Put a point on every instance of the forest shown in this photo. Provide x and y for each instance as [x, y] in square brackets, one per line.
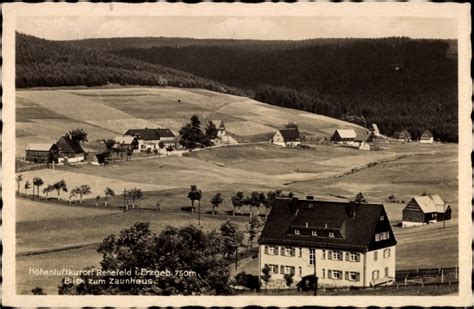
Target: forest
[398, 83]
[44, 63]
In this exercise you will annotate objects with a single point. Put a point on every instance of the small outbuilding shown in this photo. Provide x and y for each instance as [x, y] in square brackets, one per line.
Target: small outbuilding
[426, 137]
[69, 151]
[41, 153]
[402, 136]
[424, 210]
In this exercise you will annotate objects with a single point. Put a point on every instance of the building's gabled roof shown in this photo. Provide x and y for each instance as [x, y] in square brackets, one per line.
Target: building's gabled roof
[164, 133]
[124, 139]
[351, 233]
[67, 145]
[363, 137]
[346, 133]
[402, 134]
[426, 134]
[39, 147]
[430, 203]
[290, 134]
[150, 134]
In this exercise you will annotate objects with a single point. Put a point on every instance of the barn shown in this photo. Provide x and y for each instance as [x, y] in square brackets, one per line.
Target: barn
[41, 153]
[426, 137]
[343, 136]
[424, 210]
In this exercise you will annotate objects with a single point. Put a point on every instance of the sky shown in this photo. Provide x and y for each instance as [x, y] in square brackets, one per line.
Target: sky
[238, 27]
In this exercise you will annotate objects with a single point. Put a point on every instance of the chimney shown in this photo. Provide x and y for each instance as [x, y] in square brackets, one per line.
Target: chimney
[310, 197]
[352, 210]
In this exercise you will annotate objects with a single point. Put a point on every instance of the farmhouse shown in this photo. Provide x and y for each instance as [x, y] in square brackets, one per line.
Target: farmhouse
[342, 243]
[41, 153]
[151, 138]
[287, 137]
[426, 137]
[425, 209]
[345, 136]
[127, 142]
[362, 141]
[69, 151]
[403, 136]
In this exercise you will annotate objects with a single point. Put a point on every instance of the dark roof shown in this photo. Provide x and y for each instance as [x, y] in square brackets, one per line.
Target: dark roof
[67, 145]
[150, 134]
[402, 134]
[290, 134]
[323, 216]
[426, 134]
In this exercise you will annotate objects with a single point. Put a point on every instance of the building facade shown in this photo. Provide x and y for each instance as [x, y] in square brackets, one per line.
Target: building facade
[426, 137]
[151, 138]
[288, 137]
[344, 136]
[41, 153]
[343, 244]
[69, 151]
[403, 136]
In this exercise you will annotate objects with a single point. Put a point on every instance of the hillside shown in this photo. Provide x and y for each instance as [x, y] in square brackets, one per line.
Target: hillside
[44, 115]
[390, 81]
[44, 63]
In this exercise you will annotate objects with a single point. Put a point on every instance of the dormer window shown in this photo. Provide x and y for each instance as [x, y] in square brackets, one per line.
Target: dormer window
[314, 233]
[331, 234]
[382, 218]
[297, 232]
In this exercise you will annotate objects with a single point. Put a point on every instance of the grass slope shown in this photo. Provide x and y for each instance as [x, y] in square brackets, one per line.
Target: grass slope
[44, 115]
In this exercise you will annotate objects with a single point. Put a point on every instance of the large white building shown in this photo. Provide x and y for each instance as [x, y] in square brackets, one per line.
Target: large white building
[151, 138]
[342, 243]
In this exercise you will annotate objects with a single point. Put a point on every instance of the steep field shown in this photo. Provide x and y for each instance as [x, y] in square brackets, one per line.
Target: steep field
[44, 115]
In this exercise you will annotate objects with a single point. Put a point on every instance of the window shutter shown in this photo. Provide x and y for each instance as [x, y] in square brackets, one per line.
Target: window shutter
[266, 249]
[346, 275]
[329, 254]
[282, 269]
[329, 274]
[358, 257]
[357, 277]
[348, 258]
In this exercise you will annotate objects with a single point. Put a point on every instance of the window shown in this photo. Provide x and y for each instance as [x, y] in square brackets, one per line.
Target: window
[375, 255]
[314, 233]
[271, 250]
[288, 251]
[375, 275]
[300, 252]
[382, 236]
[385, 235]
[324, 273]
[382, 218]
[324, 254]
[386, 253]
[386, 271]
[331, 234]
[300, 270]
[289, 270]
[312, 257]
[337, 274]
[377, 237]
[353, 256]
[273, 268]
[297, 232]
[353, 276]
[336, 255]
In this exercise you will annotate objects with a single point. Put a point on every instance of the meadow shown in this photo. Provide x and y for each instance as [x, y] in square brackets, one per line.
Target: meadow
[69, 234]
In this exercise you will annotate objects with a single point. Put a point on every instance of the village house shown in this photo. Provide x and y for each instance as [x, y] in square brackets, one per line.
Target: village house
[151, 138]
[69, 151]
[362, 141]
[126, 142]
[425, 209]
[287, 137]
[344, 136]
[223, 137]
[342, 243]
[426, 137]
[41, 153]
[403, 136]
